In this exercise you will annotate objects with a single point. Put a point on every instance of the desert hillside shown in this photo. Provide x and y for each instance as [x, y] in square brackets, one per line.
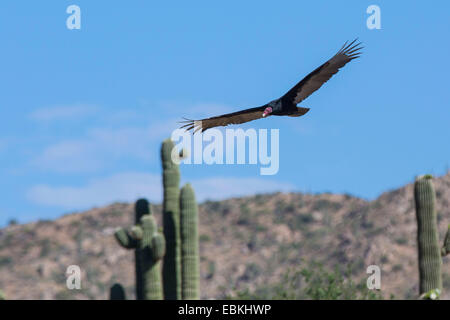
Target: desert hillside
[244, 243]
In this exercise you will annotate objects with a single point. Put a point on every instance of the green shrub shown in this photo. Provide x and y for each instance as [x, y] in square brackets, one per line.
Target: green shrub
[204, 238]
[315, 283]
[5, 261]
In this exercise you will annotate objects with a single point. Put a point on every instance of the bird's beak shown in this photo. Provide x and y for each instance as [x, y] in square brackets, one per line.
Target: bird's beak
[267, 111]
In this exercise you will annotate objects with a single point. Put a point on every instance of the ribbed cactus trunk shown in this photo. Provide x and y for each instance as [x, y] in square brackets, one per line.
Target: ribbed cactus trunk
[150, 249]
[430, 261]
[117, 292]
[190, 266]
[141, 208]
[171, 220]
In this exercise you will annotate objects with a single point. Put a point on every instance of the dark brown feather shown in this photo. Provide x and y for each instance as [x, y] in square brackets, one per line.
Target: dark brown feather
[224, 120]
[322, 74]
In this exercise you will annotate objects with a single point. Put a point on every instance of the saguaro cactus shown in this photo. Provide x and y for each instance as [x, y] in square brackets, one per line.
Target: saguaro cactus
[117, 292]
[430, 261]
[150, 249]
[171, 219]
[189, 244]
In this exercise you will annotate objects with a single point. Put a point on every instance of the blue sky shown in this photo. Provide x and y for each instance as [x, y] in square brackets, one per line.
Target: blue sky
[83, 112]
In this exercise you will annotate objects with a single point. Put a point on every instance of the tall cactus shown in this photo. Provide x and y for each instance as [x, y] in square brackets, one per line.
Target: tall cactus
[149, 248]
[189, 244]
[2, 295]
[430, 261]
[117, 292]
[171, 217]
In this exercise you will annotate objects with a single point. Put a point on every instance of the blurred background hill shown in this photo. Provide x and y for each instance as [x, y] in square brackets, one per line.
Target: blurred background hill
[246, 244]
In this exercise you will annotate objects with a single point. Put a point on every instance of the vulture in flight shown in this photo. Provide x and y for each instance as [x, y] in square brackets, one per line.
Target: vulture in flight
[287, 104]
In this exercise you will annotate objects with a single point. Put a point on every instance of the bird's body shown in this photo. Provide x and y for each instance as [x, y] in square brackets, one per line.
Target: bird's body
[287, 104]
[282, 107]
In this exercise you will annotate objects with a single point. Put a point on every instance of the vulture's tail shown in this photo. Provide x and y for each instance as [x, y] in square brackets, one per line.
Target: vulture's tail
[300, 112]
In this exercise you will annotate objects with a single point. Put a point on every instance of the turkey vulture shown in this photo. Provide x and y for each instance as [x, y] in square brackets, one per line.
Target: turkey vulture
[287, 104]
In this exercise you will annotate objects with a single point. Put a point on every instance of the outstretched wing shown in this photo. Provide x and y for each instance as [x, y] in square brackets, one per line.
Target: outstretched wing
[322, 74]
[223, 120]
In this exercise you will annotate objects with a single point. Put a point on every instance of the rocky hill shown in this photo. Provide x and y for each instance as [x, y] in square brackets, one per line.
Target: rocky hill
[244, 243]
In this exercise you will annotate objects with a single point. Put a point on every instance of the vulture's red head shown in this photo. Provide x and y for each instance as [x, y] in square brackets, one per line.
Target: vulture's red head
[267, 111]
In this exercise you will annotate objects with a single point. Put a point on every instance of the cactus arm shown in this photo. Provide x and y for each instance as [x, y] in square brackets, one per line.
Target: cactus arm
[158, 247]
[124, 239]
[446, 247]
[136, 233]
